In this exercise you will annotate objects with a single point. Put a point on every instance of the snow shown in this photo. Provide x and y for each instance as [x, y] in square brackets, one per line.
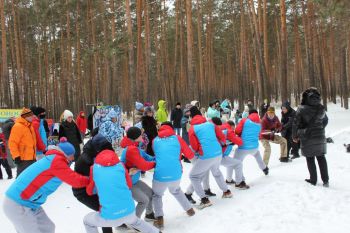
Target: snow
[281, 202]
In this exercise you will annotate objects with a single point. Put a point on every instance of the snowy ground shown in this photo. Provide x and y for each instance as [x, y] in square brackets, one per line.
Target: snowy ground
[281, 202]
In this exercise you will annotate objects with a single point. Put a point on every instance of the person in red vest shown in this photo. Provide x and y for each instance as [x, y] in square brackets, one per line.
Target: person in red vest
[82, 123]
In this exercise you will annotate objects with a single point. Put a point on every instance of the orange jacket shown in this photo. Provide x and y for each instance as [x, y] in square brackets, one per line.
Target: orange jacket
[22, 141]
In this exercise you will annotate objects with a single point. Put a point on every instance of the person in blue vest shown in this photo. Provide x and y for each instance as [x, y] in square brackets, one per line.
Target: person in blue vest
[168, 149]
[133, 157]
[24, 198]
[117, 204]
[249, 130]
[207, 140]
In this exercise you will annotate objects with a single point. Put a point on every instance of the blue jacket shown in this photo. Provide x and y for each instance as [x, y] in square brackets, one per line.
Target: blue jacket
[168, 149]
[206, 138]
[39, 180]
[249, 129]
[43, 137]
[113, 184]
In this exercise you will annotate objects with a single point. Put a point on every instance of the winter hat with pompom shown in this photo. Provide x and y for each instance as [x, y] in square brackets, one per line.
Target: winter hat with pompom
[67, 148]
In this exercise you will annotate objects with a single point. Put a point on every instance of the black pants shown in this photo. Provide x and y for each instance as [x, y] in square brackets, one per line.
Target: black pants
[7, 167]
[93, 203]
[23, 165]
[322, 164]
[292, 145]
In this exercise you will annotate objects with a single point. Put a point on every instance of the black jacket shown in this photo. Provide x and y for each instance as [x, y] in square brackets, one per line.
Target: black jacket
[6, 128]
[175, 117]
[71, 132]
[287, 122]
[309, 126]
[149, 124]
[263, 110]
[86, 160]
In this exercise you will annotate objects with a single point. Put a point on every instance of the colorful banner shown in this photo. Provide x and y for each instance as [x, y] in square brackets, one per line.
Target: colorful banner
[8, 113]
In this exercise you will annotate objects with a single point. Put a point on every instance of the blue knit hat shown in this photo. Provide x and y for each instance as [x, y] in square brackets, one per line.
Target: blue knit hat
[138, 106]
[67, 148]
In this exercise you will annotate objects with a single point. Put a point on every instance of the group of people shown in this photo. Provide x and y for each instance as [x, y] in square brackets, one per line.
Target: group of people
[110, 184]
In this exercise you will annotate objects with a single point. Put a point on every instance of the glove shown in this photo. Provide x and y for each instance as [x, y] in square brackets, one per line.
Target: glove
[18, 160]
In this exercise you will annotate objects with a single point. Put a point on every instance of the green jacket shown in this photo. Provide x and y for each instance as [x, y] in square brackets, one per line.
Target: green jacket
[162, 113]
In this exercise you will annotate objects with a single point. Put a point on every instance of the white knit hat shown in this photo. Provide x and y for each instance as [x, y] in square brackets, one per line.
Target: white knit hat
[67, 114]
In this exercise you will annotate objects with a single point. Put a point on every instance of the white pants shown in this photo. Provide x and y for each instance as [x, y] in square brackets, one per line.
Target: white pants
[174, 188]
[242, 154]
[26, 220]
[94, 220]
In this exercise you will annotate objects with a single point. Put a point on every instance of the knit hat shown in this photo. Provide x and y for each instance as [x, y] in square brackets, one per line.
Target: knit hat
[67, 114]
[195, 111]
[187, 108]
[271, 110]
[148, 104]
[100, 143]
[67, 148]
[38, 110]
[138, 106]
[133, 133]
[148, 109]
[26, 113]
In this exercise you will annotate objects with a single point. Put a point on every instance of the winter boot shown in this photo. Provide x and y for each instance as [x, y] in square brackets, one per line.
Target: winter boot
[204, 203]
[209, 193]
[190, 212]
[227, 194]
[326, 184]
[150, 217]
[295, 156]
[232, 182]
[190, 199]
[159, 222]
[266, 171]
[284, 160]
[310, 182]
[242, 186]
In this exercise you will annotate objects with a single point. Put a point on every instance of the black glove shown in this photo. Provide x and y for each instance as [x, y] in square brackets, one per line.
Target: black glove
[18, 160]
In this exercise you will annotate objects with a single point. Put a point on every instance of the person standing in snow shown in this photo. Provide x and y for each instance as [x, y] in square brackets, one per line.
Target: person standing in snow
[249, 130]
[270, 125]
[138, 113]
[175, 118]
[149, 124]
[206, 139]
[263, 108]
[185, 123]
[69, 130]
[133, 157]
[82, 166]
[82, 123]
[3, 157]
[213, 111]
[22, 141]
[168, 150]
[309, 128]
[110, 128]
[25, 197]
[162, 113]
[288, 115]
[40, 132]
[117, 204]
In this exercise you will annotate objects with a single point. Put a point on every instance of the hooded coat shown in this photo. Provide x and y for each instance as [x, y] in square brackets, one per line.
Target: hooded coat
[162, 113]
[310, 123]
